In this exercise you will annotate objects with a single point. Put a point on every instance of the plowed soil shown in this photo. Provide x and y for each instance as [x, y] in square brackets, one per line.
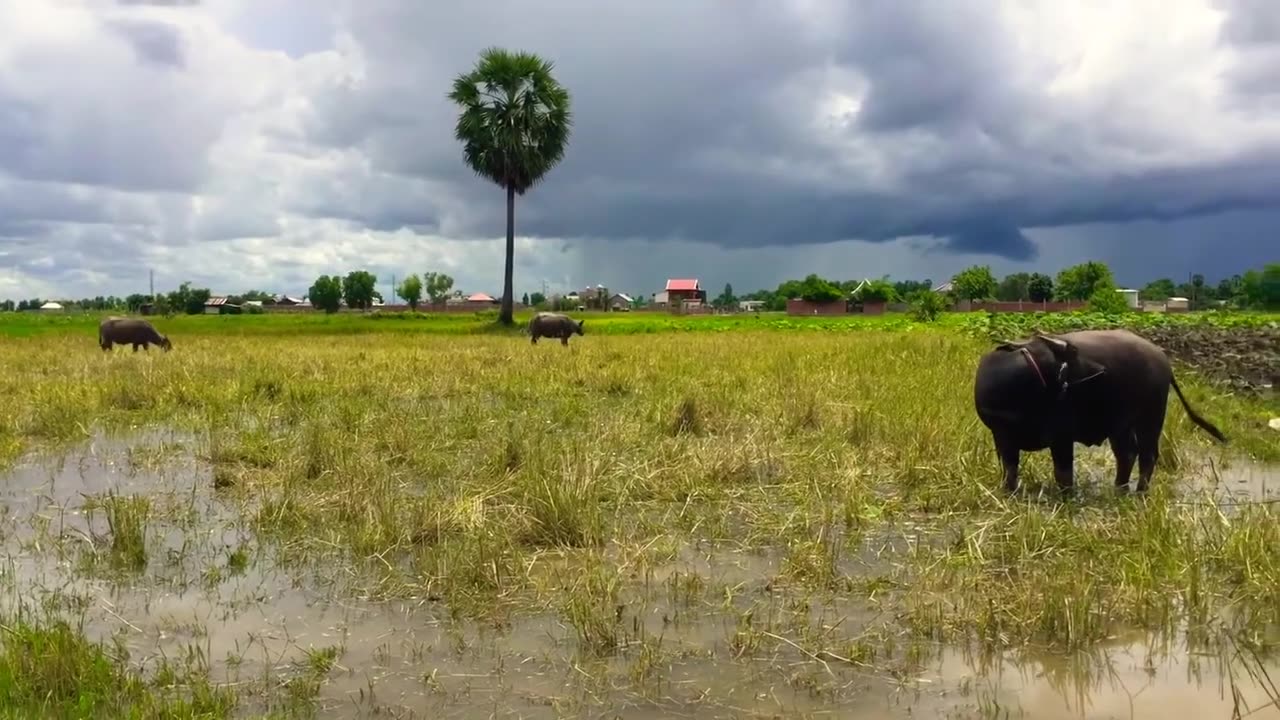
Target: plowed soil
[1244, 358]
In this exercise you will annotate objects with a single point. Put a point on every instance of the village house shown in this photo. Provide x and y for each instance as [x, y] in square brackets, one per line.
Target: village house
[620, 302]
[220, 306]
[681, 291]
[474, 301]
[594, 297]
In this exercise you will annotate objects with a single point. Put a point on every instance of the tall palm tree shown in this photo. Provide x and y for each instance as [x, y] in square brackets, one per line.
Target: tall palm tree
[514, 126]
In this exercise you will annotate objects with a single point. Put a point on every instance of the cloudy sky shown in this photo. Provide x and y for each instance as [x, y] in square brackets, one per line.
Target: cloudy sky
[259, 143]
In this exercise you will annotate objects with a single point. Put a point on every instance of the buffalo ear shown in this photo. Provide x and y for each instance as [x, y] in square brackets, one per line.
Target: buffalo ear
[1062, 349]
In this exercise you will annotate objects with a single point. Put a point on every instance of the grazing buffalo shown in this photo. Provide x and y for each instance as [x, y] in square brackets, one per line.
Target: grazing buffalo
[1056, 390]
[130, 331]
[554, 325]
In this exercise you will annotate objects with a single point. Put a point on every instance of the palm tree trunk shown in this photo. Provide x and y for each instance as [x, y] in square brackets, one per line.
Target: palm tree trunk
[507, 315]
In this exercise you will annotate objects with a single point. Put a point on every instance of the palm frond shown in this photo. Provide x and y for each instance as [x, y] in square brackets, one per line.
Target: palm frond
[515, 122]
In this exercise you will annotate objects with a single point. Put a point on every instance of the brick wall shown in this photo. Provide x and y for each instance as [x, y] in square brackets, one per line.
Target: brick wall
[1027, 306]
[796, 306]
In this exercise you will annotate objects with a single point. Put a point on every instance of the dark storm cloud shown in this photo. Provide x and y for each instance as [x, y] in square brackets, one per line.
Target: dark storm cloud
[694, 122]
[154, 42]
[924, 67]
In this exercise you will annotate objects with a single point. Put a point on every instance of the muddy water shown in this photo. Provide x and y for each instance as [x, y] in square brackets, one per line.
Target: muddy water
[1234, 481]
[677, 658]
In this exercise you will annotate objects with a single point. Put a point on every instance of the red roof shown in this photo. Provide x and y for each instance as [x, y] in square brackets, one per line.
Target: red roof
[674, 284]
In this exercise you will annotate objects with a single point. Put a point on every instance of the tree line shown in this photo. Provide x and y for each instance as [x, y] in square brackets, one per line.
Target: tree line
[1092, 282]
[186, 299]
[1095, 283]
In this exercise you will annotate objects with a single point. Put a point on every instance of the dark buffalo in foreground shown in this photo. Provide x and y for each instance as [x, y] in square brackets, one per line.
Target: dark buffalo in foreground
[554, 325]
[1053, 391]
[130, 331]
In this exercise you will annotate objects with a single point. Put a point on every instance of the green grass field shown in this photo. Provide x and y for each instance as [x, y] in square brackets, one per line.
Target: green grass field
[24, 325]
[417, 516]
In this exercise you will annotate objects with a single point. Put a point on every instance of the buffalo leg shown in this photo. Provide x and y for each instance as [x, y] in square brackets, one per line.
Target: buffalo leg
[564, 340]
[135, 347]
[1124, 445]
[533, 339]
[1009, 457]
[1063, 452]
[1148, 438]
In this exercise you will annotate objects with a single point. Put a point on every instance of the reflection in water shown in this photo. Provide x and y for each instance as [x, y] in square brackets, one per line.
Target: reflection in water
[679, 656]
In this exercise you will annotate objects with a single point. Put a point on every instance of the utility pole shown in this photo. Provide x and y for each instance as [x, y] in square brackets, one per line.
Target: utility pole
[393, 287]
[152, 274]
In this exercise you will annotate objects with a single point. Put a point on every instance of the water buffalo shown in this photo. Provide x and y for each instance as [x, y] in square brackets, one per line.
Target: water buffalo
[549, 324]
[1056, 390]
[130, 331]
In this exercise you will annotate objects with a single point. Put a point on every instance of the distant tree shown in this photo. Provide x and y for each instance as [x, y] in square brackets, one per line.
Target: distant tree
[261, 296]
[437, 286]
[537, 299]
[974, 283]
[907, 288]
[787, 290]
[1016, 286]
[524, 300]
[726, 299]
[411, 290]
[359, 288]
[926, 304]
[1271, 286]
[1161, 289]
[771, 299]
[187, 299]
[816, 290]
[1231, 289]
[326, 293]
[1080, 282]
[514, 127]
[1197, 291]
[1107, 300]
[1200, 292]
[876, 291]
[1039, 288]
[7, 306]
[1261, 288]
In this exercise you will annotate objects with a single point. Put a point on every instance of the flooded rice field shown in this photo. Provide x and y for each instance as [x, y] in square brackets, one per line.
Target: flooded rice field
[133, 539]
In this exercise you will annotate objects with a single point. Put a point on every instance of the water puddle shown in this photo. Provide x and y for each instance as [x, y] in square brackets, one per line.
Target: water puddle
[1127, 679]
[671, 649]
[1235, 480]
